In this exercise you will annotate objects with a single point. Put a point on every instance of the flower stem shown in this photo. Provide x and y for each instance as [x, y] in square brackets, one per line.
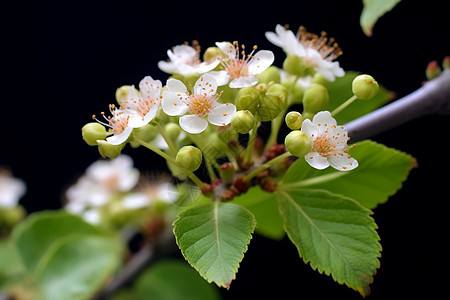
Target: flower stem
[168, 140]
[275, 129]
[251, 143]
[266, 165]
[343, 105]
[190, 174]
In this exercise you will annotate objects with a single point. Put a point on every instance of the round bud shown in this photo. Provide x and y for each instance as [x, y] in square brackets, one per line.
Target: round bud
[271, 74]
[107, 150]
[248, 99]
[243, 121]
[315, 98]
[272, 103]
[297, 65]
[317, 78]
[294, 120]
[91, 132]
[446, 63]
[172, 131]
[298, 143]
[189, 157]
[295, 95]
[122, 93]
[211, 53]
[364, 87]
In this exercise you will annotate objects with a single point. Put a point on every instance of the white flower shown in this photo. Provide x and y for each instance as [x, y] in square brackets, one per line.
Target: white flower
[177, 101]
[118, 122]
[241, 71]
[185, 60]
[143, 107]
[319, 51]
[329, 143]
[11, 189]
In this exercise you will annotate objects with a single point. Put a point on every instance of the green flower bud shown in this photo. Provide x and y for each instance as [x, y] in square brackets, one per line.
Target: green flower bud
[297, 65]
[307, 115]
[243, 121]
[189, 157]
[122, 93]
[91, 132]
[298, 143]
[446, 63]
[295, 95]
[364, 87]
[315, 98]
[294, 120]
[432, 71]
[248, 99]
[272, 103]
[172, 131]
[9, 217]
[212, 53]
[271, 74]
[320, 79]
[109, 151]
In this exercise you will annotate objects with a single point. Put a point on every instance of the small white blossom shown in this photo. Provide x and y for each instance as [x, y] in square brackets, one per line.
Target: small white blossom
[329, 143]
[240, 72]
[11, 189]
[185, 60]
[177, 101]
[320, 52]
[118, 123]
[143, 107]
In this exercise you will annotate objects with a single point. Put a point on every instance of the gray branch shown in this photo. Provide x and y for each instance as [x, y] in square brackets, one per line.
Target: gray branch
[432, 98]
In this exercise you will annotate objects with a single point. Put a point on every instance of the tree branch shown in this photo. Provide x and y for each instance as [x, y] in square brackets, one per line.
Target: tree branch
[433, 97]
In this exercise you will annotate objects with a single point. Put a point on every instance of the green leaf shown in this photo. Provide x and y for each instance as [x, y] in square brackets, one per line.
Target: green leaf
[264, 207]
[341, 90]
[372, 11]
[172, 280]
[213, 238]
[333, 233]
[37, 233]
[380, 174]
[10, 265]
[77, 266]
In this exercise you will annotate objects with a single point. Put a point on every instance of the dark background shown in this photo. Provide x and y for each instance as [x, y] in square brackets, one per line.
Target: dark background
[63, 61]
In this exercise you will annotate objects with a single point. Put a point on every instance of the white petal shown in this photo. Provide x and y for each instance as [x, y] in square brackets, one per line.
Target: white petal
[121, 138]
[92, 216]
[227, 48]
[184, 51]
[188, 69]
[310, 129]
[167, 67]
[242, 82]
[221, 77]
[128, 179]
[193, 123]
[343, 162]
[222, 114]
[174, 104]
[315, 160]
[206, 85]
[324, 117]
[261, 61]
[149, 88]
[135, 201]
[176, 86]
[167, 192]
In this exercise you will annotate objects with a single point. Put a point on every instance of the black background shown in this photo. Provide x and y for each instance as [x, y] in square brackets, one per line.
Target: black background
[63, 61]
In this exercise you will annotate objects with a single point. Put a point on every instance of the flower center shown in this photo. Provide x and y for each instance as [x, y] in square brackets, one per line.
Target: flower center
[200, 105]
[327, 47]
[118, 122]
[238, 67]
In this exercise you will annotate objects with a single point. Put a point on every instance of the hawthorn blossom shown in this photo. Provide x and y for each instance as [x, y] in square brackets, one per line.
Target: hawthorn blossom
[240, 72]
[185, 60]
[319, 51]
[118, 123]
[143, 107]
[11, 189]
[178, 101]
[329, 143]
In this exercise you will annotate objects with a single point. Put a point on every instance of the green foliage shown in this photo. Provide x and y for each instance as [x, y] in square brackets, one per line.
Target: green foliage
[171, 279]
[333, 233]
[379, 175]
[213, 238]
[65, 258]
[10, 265]
[372, 11]
[340, 90]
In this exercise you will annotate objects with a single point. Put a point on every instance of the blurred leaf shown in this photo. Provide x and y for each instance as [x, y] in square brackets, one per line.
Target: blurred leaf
[333, 233]
[265, 209]
[372, 11]
[10, 265]
[213, 238]
[173, 280]
[380, 174]
[78, 266]
[341, 90]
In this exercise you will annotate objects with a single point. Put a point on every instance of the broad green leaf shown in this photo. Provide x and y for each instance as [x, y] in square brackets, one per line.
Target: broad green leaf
[341, 89]
[265, 209]
[78, 266]
[372, 11]
[173, 280]
[37, 233]
[380, 174]
[333, 233]
[213, 238]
